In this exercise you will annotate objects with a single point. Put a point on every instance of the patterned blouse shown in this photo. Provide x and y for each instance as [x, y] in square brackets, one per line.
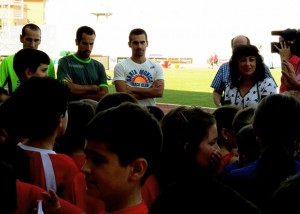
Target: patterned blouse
[253, 96]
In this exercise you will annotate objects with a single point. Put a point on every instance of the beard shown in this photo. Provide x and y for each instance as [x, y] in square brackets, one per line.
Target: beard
[84, 54]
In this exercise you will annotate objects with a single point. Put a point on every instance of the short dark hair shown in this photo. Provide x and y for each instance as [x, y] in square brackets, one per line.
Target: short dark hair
[80, 113]
[138, 31]
[224, 116]
[35, 107]
[33, 27]
[28, 58]
[277, 118]
[84, 29]
[140, 137]
[242, 118]
[156, 111]
[114, 99]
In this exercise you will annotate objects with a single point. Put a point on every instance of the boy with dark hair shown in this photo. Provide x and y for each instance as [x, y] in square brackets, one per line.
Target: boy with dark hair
[37, 112]
[31, 62]
[31, 39]
[73, 140]
[117, 165]
[26, 63]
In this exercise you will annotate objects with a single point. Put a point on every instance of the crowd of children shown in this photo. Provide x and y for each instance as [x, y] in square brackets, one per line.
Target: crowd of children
[116, 156]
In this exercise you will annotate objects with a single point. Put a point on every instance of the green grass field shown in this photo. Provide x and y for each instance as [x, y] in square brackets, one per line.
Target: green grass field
[190, 86]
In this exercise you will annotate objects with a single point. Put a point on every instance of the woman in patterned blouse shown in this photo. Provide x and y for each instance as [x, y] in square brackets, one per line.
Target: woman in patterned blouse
[248, 83]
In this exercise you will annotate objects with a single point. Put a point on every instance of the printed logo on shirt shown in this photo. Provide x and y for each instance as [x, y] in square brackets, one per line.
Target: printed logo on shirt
[140, 78]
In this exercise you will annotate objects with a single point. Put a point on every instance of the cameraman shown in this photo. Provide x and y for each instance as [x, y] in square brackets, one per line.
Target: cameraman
[288, 47]
[285, 53]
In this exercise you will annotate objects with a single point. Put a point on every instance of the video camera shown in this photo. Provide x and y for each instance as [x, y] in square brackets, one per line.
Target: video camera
[291, 37]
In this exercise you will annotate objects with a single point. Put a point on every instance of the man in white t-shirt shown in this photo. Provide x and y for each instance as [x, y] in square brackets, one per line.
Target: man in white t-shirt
[137, 75]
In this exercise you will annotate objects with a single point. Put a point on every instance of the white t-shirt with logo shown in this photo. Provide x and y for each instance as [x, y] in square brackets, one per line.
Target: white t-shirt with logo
[139, 75]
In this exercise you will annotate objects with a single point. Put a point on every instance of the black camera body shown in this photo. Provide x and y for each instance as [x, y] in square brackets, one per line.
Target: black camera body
[292, 39]
[277, 44]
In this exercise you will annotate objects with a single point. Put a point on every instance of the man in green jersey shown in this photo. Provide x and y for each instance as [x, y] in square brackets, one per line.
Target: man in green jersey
[30, 38]
[86, 77]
